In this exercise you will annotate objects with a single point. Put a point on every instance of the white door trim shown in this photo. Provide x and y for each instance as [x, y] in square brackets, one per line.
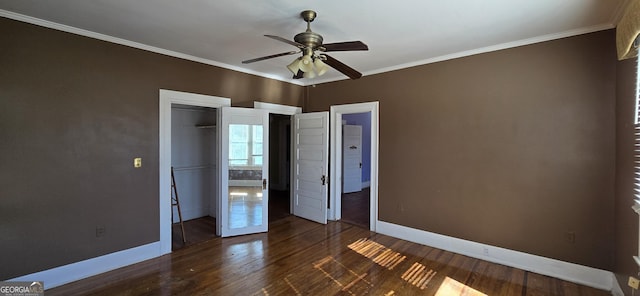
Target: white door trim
[335, 191]
[277, 108]
[168, 97]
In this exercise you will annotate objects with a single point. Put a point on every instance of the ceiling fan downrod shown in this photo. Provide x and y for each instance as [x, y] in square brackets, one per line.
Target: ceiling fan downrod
[309, 38]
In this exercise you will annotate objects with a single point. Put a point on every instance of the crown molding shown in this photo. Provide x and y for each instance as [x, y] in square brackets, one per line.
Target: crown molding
[133, 44]
[496, 47]
[69, 29]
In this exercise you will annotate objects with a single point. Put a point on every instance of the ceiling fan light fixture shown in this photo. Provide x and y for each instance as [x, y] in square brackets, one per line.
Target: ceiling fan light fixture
[306, 63]
[310, 74]
[294, 66]
[321, 67]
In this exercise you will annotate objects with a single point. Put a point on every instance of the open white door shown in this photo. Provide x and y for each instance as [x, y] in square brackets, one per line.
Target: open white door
[310, 165]
[351, 158]
[243, 203]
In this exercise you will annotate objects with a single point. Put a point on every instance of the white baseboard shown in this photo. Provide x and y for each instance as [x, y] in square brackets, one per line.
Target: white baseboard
[588, 276]
[76, 271]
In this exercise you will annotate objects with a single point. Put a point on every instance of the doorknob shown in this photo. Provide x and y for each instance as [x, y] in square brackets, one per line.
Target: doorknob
[361, 165]
[264, 184]
[324, 179]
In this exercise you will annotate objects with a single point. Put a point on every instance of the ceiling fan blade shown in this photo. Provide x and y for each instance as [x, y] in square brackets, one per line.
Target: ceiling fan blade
[345, 46]
[298, 75]
[270, 57]
[344, 69]
[296, 44]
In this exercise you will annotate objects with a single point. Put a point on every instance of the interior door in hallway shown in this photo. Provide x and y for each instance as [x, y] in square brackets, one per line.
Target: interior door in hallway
[351, 158]
[311, 164]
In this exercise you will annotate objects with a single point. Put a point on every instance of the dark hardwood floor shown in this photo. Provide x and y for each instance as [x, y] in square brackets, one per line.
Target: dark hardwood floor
[299, 257]
[355, 207]
[196, 230]
[203, 229]
[279, 204]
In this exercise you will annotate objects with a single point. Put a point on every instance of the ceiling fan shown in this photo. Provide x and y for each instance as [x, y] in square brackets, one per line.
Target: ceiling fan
[313, 52]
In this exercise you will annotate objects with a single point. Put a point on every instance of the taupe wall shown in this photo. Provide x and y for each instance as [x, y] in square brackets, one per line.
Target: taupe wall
[74, 112]
[514, 148]
[626, 220]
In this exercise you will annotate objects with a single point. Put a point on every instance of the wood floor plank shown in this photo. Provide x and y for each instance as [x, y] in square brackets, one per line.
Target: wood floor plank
[538, 285]
[305, 251]
[516, 282]
[252, 265]
[458, 269]
[391, 280]
[300, 257]
[494, 279]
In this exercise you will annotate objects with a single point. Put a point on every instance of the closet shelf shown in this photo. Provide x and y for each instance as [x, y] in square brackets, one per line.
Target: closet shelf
[205, 125]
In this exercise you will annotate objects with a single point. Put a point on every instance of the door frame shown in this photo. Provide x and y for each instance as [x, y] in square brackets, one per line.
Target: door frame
[283, 110]
[277, 108]
[335, 190]
[167, 98]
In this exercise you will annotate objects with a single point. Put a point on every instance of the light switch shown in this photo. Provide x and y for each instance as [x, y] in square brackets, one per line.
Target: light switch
[137, 162]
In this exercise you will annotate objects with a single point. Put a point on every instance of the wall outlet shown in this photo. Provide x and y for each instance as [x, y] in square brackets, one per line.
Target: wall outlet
[570, 236]
[137, 162]
[633, 282]
[101, 231]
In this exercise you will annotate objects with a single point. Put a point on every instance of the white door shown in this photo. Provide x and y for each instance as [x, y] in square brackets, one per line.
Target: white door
[243, 203]
[352, 158]
[310, 165]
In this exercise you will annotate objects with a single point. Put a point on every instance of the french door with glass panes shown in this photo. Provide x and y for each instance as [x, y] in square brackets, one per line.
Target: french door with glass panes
[243, 202]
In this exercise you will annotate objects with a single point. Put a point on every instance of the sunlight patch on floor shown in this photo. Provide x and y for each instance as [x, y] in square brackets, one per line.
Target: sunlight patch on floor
[329, 265]
[347, 281]
[418, 275]
[378, 253]
[450, 286]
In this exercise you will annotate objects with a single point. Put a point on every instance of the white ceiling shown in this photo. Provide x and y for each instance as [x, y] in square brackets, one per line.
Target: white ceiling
[399, 34]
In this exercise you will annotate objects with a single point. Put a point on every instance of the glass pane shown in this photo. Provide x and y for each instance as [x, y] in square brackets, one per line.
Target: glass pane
[257, 160]
[238, 133]
[245, 177]
[238, 153]
[257, 133]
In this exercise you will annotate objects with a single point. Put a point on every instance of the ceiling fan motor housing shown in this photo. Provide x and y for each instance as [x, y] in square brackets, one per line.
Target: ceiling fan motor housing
[309, 39]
